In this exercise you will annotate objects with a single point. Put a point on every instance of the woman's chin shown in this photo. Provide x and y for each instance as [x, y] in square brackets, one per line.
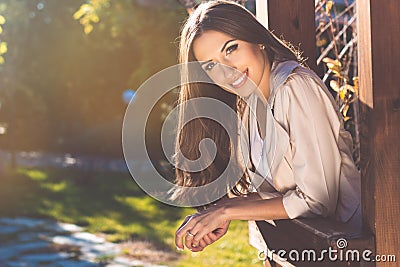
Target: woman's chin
[243, 91]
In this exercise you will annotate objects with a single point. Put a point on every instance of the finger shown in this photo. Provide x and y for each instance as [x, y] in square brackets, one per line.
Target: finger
[181, 232]
[179, 235]
[207, 239]
[196, 249]
[199, 247]
[202, 243]
[189, 239]
[199, 231]
[200, 235]
[187, 218]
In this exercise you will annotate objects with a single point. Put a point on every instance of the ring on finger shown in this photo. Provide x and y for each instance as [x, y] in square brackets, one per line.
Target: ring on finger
[189, 234]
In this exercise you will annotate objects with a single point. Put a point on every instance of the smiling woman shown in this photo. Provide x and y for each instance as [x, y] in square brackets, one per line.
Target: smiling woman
[299, 155]
[246, 61]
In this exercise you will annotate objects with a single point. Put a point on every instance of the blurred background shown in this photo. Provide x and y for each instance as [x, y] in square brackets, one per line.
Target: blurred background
[68, 70]
[66, 65]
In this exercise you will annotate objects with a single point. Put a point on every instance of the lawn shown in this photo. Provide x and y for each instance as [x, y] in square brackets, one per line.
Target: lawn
[113, 205]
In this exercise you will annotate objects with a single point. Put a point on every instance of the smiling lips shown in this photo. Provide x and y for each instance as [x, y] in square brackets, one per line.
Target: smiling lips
[241, 80]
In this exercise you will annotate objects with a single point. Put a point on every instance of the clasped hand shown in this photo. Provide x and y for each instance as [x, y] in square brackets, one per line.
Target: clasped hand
[202, 229]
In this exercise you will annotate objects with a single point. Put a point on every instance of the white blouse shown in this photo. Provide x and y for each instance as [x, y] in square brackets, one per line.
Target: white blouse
[306, 154]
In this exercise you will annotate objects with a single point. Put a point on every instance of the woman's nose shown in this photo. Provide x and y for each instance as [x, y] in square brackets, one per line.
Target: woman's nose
[228, 71]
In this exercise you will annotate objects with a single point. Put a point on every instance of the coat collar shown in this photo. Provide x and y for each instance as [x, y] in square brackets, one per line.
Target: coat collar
[277, 139]
[280, 72]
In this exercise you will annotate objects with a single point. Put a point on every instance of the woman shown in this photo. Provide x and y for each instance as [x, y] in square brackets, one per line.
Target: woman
[298, 145]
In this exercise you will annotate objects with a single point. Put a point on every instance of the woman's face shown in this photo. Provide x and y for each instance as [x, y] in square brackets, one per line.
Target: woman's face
[237, 66]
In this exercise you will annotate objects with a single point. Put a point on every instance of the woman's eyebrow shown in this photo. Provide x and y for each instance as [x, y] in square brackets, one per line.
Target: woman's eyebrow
[222, 49]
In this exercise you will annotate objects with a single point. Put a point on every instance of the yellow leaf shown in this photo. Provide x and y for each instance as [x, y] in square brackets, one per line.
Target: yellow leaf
[78, 14]
[1, 29]
[332, 61]
[328, 60]
[95, 3]
[84, 20]
[3, 48]
[2, 20]
[321, 42]
[346, 118]
[345, 109]
[2, 60]
[328, 7]
[93, 17]
[355, 81]
[88, 28]
[333, 67]
[87, 8]
[84, 9]
[342, 94]
[334, 85]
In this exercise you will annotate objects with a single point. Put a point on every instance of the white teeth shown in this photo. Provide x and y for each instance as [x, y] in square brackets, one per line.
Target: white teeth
[238, 81]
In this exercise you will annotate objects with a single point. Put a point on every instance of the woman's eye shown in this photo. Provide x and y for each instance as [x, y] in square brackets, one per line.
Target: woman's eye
[209, 66]
[231, 49]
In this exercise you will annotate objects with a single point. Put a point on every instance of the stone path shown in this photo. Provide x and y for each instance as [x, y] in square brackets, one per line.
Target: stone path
[38, 242]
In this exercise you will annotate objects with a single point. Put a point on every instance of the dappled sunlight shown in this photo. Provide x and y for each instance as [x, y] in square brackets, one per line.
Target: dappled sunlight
[35, 175]
[145, 205]
[53, 209]
[55, 187]
[118, 210]
[114, 206]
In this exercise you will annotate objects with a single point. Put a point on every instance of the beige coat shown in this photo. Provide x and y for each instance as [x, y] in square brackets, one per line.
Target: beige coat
[306, 153]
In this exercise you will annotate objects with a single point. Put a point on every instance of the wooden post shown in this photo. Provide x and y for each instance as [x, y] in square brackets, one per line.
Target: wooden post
[379, 56]
[262, 12]
[294, 20]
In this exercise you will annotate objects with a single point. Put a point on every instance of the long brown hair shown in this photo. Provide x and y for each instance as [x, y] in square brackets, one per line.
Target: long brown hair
[232, 19]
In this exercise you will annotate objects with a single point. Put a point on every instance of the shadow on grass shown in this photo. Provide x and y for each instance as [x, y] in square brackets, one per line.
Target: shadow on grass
[110, 203]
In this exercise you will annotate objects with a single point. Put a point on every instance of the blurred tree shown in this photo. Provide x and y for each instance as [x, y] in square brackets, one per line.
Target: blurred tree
[66, 83]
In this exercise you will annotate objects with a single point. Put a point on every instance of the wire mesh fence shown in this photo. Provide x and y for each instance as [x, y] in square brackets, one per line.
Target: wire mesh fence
[336, 40]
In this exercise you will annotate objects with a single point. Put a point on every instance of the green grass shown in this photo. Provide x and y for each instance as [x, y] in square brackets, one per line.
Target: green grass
[111, 203]
[231, 250]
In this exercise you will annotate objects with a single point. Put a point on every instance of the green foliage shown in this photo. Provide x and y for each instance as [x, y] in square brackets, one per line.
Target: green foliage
[61, 88]
[88, 13]
[114, 204]
[3, 45]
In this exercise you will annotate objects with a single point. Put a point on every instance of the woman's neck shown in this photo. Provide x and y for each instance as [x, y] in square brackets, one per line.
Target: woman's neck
[263, 91]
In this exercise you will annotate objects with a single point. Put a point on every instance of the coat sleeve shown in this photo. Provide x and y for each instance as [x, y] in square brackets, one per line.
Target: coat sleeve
[305, 108]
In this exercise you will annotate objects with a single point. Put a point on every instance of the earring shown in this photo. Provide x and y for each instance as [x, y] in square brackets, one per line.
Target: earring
[262, 47]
